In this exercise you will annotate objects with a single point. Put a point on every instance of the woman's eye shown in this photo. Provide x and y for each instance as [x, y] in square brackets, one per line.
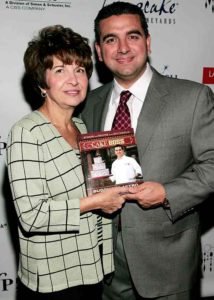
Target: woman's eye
[60, 70]
[80, 70]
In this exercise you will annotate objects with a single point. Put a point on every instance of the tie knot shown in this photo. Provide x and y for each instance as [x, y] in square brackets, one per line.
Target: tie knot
[124, 96]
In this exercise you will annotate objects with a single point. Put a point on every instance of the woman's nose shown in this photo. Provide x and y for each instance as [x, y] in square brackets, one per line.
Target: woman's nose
[72, 78]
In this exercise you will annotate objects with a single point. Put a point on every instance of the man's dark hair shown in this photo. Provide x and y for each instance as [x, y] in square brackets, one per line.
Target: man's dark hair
[117, 9]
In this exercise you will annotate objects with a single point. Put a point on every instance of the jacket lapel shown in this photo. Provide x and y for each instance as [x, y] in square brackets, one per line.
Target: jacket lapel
[101, 107]
[150, 114]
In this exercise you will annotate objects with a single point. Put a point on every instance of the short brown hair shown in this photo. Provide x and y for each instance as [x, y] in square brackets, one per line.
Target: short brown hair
[59, 41]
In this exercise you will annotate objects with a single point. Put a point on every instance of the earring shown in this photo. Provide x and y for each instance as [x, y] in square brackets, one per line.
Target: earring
[43, 94]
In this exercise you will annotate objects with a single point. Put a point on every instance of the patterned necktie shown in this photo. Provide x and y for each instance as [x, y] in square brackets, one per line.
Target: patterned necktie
[122, 119]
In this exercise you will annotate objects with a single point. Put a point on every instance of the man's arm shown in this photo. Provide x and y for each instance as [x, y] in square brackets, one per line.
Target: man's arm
[194, 185]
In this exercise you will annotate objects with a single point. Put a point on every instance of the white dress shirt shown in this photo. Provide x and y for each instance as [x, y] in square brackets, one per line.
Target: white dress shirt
[135, 102]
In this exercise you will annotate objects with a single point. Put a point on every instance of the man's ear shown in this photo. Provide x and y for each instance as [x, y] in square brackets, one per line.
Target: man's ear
[98, 50]
[148, 43]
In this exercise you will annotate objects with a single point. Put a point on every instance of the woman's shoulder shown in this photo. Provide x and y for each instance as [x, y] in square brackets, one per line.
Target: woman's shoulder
[31, 121]
[32, 126]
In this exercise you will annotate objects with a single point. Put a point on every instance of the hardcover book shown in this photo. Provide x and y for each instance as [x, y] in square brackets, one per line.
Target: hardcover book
[109, 158]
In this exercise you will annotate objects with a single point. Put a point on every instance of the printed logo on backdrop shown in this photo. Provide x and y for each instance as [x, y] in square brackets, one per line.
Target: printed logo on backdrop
[166, 71]
[208, 75]
[6, 282]
[2, 146]
[3, 225]
[208, 258]
[37, 5]
[156, 11]
[209, 4]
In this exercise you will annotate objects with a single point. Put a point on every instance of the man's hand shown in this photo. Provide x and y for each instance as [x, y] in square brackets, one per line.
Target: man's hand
[148, 194]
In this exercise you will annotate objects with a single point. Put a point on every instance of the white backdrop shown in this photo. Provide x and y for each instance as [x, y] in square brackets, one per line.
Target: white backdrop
[182, 46]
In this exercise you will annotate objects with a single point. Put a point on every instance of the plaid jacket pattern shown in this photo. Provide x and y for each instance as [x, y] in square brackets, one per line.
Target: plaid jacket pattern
[58, 246]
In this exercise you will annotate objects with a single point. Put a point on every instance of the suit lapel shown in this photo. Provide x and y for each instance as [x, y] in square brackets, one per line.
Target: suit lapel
[96, 118]
[150, 114]
[101, 107]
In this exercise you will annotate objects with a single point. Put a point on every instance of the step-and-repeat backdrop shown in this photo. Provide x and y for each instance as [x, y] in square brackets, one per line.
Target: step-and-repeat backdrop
[182, 46]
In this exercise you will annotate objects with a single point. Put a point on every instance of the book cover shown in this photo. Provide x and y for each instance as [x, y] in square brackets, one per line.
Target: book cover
[109, 158]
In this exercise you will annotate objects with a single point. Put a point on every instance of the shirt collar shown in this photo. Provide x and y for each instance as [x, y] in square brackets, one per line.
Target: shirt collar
[136, 89]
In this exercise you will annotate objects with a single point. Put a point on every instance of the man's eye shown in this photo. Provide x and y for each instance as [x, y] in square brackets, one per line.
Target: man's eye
[110, 40]
[134, 37]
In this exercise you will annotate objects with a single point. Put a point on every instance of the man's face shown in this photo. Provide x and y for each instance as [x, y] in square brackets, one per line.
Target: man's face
[123, 47]
[119, 152]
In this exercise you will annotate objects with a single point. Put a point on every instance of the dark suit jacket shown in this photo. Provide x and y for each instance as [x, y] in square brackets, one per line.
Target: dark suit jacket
[175, 137]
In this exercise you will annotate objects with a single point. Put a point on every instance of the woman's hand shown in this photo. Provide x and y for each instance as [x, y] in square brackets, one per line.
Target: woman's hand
[109, 200]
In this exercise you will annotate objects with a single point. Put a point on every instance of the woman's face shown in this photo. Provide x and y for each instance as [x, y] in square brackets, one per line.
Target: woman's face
[67, 84]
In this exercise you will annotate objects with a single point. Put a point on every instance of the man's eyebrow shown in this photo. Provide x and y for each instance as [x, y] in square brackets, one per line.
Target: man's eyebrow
[134, 31]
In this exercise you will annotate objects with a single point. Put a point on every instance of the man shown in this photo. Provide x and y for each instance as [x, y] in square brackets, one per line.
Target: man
[124, 169]
[157, 252]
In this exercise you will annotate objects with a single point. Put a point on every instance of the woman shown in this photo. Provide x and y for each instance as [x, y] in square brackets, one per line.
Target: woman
[58, 231]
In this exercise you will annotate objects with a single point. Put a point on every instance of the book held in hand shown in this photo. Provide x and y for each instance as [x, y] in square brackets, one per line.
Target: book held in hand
[109, 158]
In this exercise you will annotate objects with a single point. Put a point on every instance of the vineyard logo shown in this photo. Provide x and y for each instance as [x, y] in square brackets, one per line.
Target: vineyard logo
[157, 12]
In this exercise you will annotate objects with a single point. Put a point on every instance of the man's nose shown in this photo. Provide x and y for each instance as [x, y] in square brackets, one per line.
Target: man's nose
[123, 46]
